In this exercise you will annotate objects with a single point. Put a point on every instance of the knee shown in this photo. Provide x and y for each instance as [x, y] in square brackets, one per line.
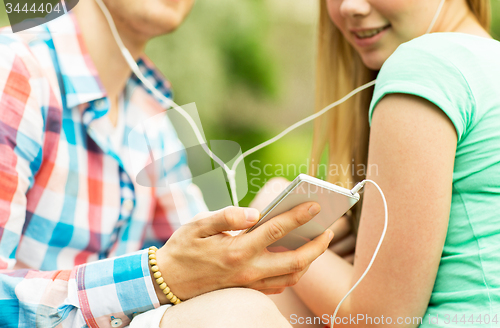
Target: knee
[253, 308]
[245, 301]
[232, 307]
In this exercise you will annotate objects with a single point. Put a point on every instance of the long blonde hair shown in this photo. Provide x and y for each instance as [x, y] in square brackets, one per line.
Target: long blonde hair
[340, 70]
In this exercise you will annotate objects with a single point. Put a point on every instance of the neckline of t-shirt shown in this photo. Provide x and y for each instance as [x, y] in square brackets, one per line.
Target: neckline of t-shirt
[466, 34]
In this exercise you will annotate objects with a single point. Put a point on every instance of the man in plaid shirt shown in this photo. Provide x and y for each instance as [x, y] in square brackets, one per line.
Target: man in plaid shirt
[73, 219]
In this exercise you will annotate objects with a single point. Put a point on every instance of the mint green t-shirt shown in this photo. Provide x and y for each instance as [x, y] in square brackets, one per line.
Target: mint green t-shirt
[460, 74]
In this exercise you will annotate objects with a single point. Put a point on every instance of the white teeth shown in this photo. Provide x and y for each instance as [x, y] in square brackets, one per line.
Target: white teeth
[369, 33]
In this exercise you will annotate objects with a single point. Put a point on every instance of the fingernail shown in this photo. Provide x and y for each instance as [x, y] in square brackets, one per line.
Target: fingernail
[314, 209]
[251, 214]
[330, 235]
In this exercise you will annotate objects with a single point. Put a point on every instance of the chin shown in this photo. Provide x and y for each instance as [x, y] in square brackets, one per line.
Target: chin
[374, 61]
[157, 19]
[162, 25]
[160, 22]
[170, 16]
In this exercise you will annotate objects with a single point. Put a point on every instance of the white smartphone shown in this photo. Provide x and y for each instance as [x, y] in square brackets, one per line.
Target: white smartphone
[335, 201]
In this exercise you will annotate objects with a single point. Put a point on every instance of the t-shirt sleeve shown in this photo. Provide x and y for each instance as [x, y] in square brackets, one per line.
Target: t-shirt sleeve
[415, 69]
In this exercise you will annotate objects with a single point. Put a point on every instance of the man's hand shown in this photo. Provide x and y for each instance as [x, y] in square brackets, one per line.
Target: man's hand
[343, 243]
[199, 258]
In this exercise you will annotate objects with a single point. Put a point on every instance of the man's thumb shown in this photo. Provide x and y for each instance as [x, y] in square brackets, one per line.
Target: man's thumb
[229, 219]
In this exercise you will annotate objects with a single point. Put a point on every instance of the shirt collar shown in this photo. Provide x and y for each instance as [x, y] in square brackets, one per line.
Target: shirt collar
[79, 75]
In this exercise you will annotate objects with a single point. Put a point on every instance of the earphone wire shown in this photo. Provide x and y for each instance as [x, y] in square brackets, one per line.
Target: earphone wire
[301, 122]
[135, 68]
[434, 19]
[231, 173]
[382, 236]
[324, 110]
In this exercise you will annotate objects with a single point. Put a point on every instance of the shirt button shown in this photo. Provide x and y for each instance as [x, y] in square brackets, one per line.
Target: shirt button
[100, 104]
[115, 323]
[128, 205]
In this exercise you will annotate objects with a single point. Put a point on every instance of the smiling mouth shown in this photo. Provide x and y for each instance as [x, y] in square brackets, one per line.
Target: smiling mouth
[370, 33]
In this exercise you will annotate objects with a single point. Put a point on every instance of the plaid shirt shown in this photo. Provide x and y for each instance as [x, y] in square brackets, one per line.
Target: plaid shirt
[71, 210]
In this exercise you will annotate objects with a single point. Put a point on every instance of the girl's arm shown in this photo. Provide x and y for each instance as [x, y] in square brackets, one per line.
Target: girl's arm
[411, 157]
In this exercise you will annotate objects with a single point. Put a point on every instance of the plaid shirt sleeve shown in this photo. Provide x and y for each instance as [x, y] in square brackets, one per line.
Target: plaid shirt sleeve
[104, 293]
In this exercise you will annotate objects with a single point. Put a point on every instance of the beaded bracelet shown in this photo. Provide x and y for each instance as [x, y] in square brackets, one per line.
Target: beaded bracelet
[159, 279]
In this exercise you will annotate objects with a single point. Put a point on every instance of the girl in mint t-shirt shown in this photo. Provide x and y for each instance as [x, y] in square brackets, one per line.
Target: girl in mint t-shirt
[429, 135]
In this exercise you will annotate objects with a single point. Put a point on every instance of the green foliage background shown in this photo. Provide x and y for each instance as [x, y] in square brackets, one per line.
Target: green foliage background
[249, 67]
